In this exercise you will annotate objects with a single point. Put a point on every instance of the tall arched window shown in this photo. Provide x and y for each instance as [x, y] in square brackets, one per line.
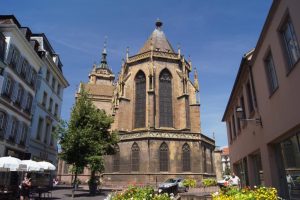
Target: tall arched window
[135, 157]
[186, 158]
[116, 159]
[164, 157]
[140, 100]
[165, 99]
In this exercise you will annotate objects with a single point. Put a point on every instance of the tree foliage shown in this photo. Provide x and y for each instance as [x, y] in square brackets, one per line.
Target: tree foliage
[86, 138]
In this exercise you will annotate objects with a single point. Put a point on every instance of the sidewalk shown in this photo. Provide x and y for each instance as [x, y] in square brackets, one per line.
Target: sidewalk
[82, 193]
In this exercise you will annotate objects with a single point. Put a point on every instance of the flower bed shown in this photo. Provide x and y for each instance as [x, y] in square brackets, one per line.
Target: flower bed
[259, 193]
[138, 193]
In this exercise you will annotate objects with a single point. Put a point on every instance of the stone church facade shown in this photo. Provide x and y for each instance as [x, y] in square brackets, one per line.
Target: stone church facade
[156, 112]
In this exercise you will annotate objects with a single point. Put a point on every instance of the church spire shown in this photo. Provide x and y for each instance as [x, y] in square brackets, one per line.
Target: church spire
[103, 63]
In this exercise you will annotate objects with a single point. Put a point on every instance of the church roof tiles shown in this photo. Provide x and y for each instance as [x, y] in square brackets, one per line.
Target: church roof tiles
[158, 40]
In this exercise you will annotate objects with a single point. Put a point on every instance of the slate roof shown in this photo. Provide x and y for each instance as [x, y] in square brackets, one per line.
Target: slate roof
[159, 41]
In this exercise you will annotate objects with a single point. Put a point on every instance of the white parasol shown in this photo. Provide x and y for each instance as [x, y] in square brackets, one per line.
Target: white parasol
[9, 162]
[46, 165]
[31, 165]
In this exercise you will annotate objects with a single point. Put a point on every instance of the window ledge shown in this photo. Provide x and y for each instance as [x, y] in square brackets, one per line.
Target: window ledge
[273, 92]
[292, 67]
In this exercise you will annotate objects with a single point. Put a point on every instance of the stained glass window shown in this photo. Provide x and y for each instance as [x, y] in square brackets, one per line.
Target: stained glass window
[186, 158]
[135, 157]
[140, 100]
[163, 157]
[165, 99]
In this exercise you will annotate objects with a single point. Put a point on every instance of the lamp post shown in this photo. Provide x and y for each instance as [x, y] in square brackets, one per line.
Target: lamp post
[241, 116]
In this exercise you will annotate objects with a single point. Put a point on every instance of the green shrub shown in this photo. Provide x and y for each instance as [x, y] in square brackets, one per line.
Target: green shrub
[137, 193]
[260, 193]
[189, 182]
[209, 182]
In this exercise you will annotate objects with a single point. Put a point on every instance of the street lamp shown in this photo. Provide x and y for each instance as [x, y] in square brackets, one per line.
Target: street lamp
[240, 115]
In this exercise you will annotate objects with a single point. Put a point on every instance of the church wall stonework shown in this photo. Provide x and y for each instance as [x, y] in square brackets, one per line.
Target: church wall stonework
[119, 99]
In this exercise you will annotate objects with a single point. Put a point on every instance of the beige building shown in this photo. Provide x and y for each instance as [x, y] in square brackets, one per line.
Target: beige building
[156, 111]
[263, 112]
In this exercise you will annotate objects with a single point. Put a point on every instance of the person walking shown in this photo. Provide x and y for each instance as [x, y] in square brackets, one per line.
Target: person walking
[235, 180]
[25, 187]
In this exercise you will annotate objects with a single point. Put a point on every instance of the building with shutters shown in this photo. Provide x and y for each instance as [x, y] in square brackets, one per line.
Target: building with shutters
[29, 69]
[156, 111]
[47, 103]
[22, 64]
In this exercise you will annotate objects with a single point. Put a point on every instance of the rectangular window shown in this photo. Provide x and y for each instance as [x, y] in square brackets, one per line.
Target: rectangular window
[52, 136]
[271, 73]
[24, 69]
[291, 43]
[249, 98]
[24, 134]
[58, 89]
[53, 83]
[39, 129]
[19, 96]
[229, 131]
[238, 124]
[48, 75]
[14, 57]
[33, 78]
[242, 101]
[56, 110]
[44, 99]
[8, 87]
[3, 120]
[14, 130]
[233, 127]
[47, 131]
[2, 46]
[28, 103]
[50, 105]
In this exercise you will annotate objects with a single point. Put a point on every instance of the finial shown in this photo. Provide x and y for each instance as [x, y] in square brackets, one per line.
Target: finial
[179, 51]
[94, 67]
[127, 53]
[158, 23]
[104, 45]
[190, 62]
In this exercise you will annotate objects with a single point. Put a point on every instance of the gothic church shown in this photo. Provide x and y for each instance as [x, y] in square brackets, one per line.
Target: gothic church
[156, 111]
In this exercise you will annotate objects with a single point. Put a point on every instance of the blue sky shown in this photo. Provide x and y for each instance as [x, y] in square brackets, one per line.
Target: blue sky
[215, 33]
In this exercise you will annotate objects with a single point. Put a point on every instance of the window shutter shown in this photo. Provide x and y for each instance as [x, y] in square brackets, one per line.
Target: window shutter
[23, 103]
[29, 73]
[20, 63]
[9, 124]
[14, 92]
[11, 49]
[19, 132]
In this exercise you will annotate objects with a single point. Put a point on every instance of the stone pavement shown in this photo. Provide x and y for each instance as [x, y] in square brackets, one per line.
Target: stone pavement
[65, 192]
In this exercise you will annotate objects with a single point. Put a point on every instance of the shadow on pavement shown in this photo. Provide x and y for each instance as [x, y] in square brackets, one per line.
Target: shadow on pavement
[84, 194]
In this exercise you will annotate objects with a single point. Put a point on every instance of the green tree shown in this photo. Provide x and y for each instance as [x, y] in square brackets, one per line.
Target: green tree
[86, 138]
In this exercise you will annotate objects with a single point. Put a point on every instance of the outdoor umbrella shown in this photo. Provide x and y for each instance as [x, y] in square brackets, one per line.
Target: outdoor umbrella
[46, 165]
[31, 165]
[9, 162]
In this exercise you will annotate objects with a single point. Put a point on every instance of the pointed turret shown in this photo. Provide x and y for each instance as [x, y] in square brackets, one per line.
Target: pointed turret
[196, 83]
[102, 73]
[157, 41]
